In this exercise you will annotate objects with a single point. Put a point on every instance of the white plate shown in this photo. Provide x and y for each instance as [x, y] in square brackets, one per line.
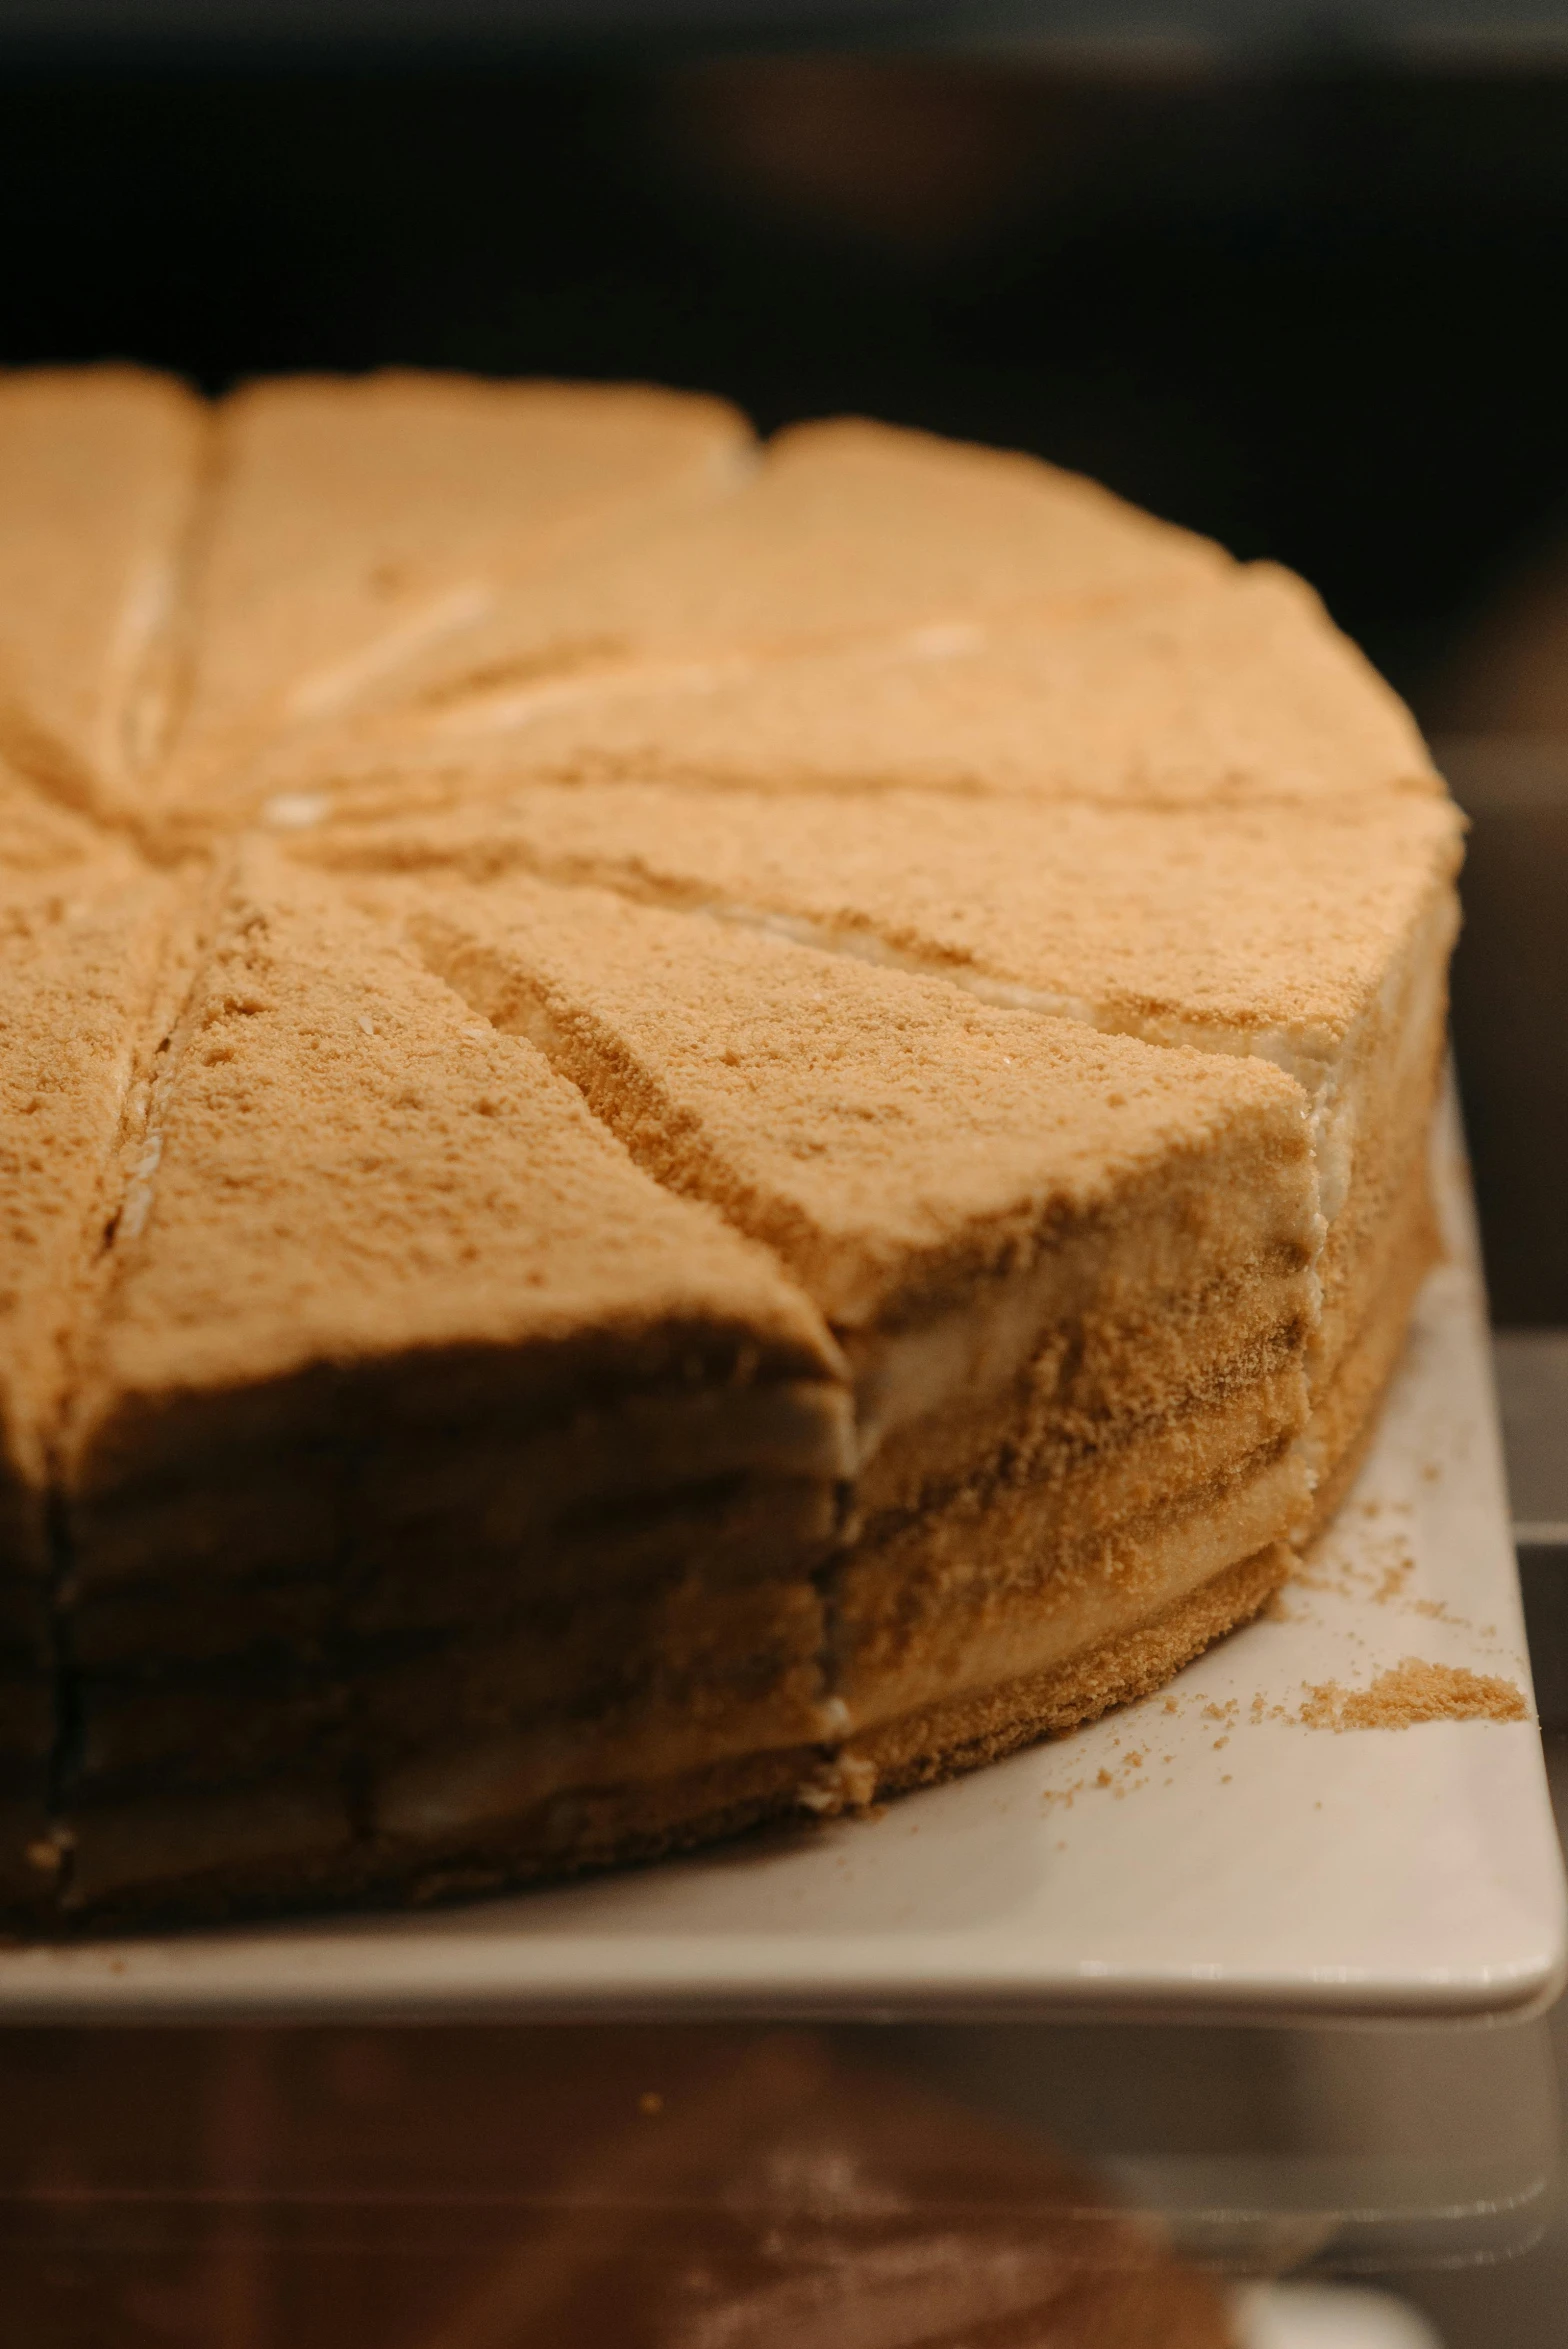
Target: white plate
[1250, 1867]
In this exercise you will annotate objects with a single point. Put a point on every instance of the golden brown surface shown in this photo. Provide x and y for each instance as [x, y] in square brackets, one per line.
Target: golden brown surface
[1280, 925]
[682, 1125]
[99, 469]
[1234, 692]
[356, 527]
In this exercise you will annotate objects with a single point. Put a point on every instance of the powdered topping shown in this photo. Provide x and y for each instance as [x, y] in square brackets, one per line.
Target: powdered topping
[885, 1133]
[99, 470]
[329, 1174]
[1277, 925]
[1236, 692]
[356, 529]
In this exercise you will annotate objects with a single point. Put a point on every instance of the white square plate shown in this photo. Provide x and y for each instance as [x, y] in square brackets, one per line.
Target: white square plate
[1200, 1854]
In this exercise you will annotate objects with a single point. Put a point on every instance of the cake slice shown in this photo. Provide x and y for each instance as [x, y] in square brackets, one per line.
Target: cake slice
[1237, 691]
[99, 470]
[450, 1437]
[1314, 937]
[1071, 1274]
[355, 526]
[847, 533]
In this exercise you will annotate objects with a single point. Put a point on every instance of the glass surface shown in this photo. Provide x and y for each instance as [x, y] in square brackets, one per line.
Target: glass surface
[252, 2188]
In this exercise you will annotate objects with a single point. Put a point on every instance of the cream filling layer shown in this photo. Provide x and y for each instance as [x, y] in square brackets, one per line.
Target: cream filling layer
[1036, 1621]
[484, 1784]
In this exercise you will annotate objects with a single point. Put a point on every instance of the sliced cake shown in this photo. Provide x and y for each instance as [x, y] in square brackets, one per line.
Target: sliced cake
[480, 1469]
[1071, 1275]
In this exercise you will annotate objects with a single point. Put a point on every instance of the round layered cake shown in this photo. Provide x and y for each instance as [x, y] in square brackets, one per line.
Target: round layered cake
[690, 1131]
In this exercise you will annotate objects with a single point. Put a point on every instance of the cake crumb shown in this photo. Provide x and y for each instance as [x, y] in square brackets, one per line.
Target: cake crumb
[1395, 1576]
[1413, 1691]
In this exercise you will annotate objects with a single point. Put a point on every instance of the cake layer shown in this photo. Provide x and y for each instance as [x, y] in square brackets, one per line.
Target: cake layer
[280, 1842]
[997, 1584]
[707, 1609]
[978, 1726]
[183, 1610]
[356, 526]
[99, 474]
[1350, 1388]
[461, 1823]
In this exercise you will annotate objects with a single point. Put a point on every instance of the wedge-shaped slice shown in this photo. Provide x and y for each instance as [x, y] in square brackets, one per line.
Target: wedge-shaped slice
[1313, 937]
[1238, 691]
[355, 525]
[83, 954]
[384, 1299]
[1072, 1273]
[847, 532]
[98, 475]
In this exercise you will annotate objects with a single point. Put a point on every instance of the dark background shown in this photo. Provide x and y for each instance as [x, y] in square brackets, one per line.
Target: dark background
[1315, 309]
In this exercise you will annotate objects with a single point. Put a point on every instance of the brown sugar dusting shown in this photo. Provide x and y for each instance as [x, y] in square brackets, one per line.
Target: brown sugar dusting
[1414, 1691]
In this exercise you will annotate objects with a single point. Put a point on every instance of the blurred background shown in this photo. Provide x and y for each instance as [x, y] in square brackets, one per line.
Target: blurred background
[1295, 276]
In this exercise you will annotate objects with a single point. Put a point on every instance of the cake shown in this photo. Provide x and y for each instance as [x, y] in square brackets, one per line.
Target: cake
[690, 1133]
